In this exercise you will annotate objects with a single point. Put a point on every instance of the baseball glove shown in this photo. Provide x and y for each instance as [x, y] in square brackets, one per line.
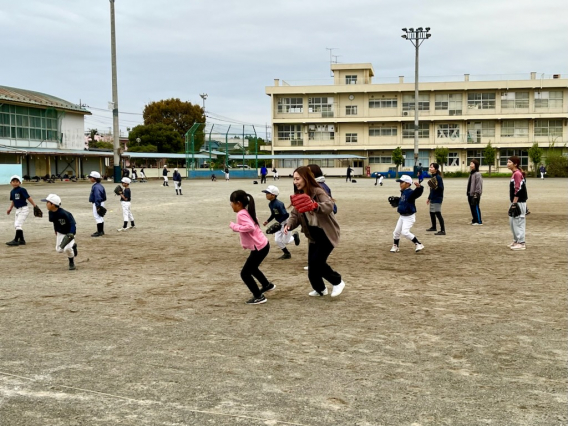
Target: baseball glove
[66, 240]
[433, 182]
[37, 212]
[274, 228]
[101, 211]
[303, 203]
[394, 201]
[514, 210]
[118, 190]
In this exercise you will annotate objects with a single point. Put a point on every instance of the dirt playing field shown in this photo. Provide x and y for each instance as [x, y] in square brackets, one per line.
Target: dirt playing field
[152, 328]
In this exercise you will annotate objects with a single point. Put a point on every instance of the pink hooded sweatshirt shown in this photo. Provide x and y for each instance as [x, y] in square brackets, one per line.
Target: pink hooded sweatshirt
[251, 236]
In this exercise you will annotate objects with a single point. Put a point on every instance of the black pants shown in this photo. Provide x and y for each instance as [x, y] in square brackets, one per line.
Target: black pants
[318, 252]
[251, 270]
[262, 178]
[474, 207]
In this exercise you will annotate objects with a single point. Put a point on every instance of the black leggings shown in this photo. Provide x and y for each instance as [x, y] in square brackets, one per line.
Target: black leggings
[318, 252]
[438, 215]
[251, 270]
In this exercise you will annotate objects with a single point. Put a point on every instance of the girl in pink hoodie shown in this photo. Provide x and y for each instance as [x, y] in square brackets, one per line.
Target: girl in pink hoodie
[253, 239]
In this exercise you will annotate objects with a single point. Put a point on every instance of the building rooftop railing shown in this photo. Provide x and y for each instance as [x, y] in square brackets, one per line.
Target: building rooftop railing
[430, 79]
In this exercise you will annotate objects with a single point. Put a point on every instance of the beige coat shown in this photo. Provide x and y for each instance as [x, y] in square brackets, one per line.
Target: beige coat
[325, 217]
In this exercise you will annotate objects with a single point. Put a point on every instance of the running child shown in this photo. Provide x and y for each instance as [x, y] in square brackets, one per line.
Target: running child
[278, 212]
[407, 211]
[253, 239]
[98, 198]
[19, 199]
[125, 201]
[65, 228]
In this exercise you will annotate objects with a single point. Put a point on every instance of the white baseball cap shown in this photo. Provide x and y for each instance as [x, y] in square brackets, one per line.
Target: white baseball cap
[126, 180]
[16, 177]
[272, 190]
[53, 199]
[95, 175]
[405, 178]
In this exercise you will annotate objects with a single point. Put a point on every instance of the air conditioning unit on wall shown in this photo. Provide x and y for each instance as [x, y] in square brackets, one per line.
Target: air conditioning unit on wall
[405, 113]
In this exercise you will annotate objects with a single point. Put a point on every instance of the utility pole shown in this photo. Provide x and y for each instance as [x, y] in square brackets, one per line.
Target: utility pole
[116, 135]
[203, 96]
[416, 37]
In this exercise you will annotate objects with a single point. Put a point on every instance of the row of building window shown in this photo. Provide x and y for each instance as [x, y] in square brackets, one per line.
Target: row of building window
[443, 102]
[17, 122]
[475, 130]
[477, 154]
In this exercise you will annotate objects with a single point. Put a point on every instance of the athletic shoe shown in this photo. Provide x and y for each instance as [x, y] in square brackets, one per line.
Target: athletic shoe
[431, 229]
[22, 242]
[122, 229]
[337, 289]
[440, 233]
[255, 301]
[296, 238]
[285, 256]
[75, 251]
[512, 244]
[419, 247]
[518, 246]
[394, 249]
[477, 224]
[72, 267]
[267, 289]
[13, 243]
[306, 268]
[316, 294]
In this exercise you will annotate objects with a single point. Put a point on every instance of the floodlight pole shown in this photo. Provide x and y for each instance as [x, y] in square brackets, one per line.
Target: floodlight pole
[115, 127]
[416, 37]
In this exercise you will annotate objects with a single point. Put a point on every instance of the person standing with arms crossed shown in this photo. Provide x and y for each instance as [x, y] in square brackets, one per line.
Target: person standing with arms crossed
[313, 209]
[474, 190]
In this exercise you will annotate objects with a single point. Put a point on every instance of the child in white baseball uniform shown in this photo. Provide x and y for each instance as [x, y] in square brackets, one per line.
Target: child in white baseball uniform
[125, 200]
[278, 212]
[19, 199]
[407, 210]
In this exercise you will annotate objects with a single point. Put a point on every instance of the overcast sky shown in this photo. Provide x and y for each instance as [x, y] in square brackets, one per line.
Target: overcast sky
[232, 49]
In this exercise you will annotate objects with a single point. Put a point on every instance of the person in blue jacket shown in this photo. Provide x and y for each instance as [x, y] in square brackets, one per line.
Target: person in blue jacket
[435, 199]
[263, 173]
[98, 198]
[407, 211]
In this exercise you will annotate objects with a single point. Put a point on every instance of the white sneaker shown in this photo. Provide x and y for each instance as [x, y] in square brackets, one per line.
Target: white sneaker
[477, 224]
[122, 229]
[394, 249]
[511, 244]
[305, 268]
[337, 289]
[315, 293]
[518, 246]
[419, 247]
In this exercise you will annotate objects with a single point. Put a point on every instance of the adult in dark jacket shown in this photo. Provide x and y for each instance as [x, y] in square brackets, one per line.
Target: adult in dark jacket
[349, 171]
[435, 199]
[474, 190]
[98, 198]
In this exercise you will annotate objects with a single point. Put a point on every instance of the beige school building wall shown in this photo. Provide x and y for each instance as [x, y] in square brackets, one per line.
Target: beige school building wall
[352, 115]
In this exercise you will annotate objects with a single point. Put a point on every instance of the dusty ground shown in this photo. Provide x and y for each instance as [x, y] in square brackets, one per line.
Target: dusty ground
[152, 328]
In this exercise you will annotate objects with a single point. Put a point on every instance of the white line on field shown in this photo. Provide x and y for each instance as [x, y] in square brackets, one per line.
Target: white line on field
[145, 402]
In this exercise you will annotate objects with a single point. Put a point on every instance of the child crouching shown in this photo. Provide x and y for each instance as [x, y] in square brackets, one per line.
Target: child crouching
[65, 228]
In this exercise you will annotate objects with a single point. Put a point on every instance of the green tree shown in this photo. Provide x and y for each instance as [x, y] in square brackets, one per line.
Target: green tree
[535, 154]
[397, 159]
[178, 114]
[91, 139]
[252, 144]
[489, 154]
[556, 161]
[441, 155]
[163, 137]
